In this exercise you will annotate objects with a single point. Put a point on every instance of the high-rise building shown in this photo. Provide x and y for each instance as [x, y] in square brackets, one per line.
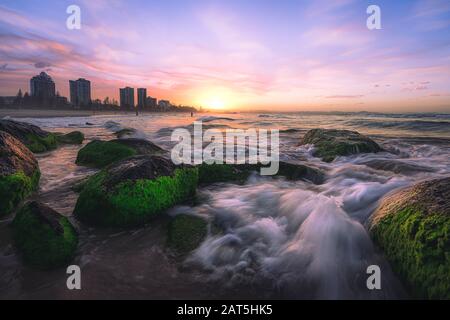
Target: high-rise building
[151, 103]
[164, 105]
[142, 97]
[80, 92]
[127, 97]
[42, 86]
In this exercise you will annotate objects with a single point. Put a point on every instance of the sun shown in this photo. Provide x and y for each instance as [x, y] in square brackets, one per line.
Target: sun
[215, 98]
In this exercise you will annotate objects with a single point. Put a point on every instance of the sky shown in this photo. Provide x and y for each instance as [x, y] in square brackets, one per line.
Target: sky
[280, 55]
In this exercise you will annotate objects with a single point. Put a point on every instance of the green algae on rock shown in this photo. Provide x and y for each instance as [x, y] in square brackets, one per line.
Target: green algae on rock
[45, 238]
[412, 226]
[212, 173]
[330, 143]
[74, 137]
[186, 232]
[36, 139]
[99, 154]
[19, 173]
[132, 191]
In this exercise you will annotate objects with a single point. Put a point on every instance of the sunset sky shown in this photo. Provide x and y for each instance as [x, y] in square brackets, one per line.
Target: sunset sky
[237, 54]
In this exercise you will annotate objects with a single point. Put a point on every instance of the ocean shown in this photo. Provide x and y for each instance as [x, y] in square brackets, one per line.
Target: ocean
[281, 239]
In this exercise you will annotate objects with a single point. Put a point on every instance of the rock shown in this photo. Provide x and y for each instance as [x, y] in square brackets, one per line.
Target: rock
[125, 132]
[412, 226]
[45, 238]
[186, 232]
[36, 139]
[74, 137]
[396, 166]
[132, 191]
[19, 172]
[240, 172]
[99, 154]
[330, 143]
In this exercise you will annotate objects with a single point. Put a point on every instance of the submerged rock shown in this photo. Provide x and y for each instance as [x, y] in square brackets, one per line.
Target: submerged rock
[36, 139]
[396, 166]
[74, 137]
[240, 172]
[132, 191]
[45, 238]
[125, 132]
[99, 154]
[412, 226]
[19, 173]
[186, 232]
[330, 143]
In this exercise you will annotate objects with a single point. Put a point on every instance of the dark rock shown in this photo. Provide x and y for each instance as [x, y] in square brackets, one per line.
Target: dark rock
[186, 232]
[330, 143]
[19, 172]
[45, 238]
[396, 166]
[99, 154]
[412, 226]
[74, 137]
[240, 172]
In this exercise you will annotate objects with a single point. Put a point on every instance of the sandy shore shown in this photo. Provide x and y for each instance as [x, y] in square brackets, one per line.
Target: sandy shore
[36, 113]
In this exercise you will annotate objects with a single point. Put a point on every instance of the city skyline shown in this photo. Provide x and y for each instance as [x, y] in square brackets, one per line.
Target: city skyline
[292, 56]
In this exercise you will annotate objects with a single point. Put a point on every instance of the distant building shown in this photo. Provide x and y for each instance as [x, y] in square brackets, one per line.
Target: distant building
[164, 105]
[127, 97]
[80, 92]
[151, 104]
[42, 86]
[142, 97]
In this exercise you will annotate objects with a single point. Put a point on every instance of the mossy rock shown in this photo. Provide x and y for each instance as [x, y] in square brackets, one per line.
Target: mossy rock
[132, 191]
[413, 228]
[99, 154]
[125, 132]
[19, 173]
[45, 238]
[36, 139]
[74, 137]
[186, 232]
[331, 143]
[214, 173]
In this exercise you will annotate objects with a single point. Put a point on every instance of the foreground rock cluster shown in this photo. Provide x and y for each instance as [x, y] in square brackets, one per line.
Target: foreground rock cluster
[137, 183]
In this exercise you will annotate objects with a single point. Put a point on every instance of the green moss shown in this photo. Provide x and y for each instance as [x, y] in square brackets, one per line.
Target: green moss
[99, 154]
[132, 203]
[329, 150]
[212, 173]
[186, 233]
[418, 247]
[74, 137]
[39, 144]
[40, 245]
[14, 188]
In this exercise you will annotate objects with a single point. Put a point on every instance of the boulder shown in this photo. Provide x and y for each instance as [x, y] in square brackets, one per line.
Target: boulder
[125, 132]
[45, 238]
[19, 172]
[36, 139]
[99, 154]
[240, 172]
[330, 143]
[132, 191]
[412, 226]
[74, 137]
[186, 232]
[396, 166]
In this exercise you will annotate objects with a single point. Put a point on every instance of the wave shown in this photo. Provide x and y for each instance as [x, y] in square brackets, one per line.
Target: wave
[414, 125]
[213, 118]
